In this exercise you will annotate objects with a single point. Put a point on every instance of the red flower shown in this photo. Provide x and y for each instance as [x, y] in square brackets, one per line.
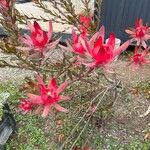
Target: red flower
[25, 105]
[39, 38]
[5, 4]
[49, 96]
[76, 45]
[139, 58]
[85, 22]
[100, 53]
[77, 42]
[140, 34]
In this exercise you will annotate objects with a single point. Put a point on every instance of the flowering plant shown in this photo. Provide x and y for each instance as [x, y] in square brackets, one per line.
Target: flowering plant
[85, 56]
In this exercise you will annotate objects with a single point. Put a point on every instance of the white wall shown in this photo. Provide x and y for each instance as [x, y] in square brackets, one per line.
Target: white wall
[79, 5]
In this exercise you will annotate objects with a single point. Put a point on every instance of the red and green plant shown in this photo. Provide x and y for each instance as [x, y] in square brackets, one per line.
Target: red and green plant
[85, 55]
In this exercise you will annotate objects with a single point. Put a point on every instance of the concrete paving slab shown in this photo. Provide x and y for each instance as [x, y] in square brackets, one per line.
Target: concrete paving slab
[30, 10]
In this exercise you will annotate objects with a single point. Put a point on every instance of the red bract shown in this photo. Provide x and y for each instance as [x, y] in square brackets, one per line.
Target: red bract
[39, 38]
[25, 105]
[139, 58]
[5, 4]
[76, 45]
[85, 23]
[49, 96]
[140, 34]
[99, 52]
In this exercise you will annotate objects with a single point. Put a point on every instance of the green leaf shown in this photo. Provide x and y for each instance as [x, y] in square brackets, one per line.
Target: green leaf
[69, 74]
[75, 74]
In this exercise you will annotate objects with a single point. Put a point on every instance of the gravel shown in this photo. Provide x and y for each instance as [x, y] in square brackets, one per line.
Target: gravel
[127, 74]
[10, 74]
[17, 75]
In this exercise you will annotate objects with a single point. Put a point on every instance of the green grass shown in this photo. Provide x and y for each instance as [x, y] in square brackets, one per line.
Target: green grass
[143, 89]
[29, 135]
[36, 133]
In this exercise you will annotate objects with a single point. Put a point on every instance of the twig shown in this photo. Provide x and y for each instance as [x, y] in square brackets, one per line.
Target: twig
[73, 130]
[89, 118]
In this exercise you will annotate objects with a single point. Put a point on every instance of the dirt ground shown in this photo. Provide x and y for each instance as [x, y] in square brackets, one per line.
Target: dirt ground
[126, 123]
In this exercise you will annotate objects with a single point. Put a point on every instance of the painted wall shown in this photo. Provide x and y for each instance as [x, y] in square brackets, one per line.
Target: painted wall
[117, 15]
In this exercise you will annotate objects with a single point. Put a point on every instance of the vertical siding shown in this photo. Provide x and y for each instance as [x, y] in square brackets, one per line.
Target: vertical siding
[117, 15]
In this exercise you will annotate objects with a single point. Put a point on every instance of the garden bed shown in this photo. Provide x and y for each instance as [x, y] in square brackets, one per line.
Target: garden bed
[124, 129]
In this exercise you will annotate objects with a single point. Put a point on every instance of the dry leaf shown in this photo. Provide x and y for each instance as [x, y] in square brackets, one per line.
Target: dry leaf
[84, 148]
[59, 124]
[135, 91]
[146, 113]
[147, 136]
[61, 137]
[87, 148]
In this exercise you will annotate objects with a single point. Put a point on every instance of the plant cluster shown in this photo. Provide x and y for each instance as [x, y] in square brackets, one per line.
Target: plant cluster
[85, 56]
